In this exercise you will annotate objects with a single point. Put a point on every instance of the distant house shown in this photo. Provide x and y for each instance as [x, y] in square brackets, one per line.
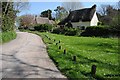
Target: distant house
[82, 17]
[42, 20]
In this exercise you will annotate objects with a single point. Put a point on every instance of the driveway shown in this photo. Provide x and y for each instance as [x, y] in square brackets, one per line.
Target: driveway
[26, 57]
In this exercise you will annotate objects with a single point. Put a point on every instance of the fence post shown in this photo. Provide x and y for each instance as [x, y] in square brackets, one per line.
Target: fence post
[56, 43]
[59, 41]
[74, 58]
[64, 51]
[59, 47]
[93, 70]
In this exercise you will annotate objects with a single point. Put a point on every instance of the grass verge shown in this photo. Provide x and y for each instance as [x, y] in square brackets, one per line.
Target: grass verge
[7, 36]
[102, 52]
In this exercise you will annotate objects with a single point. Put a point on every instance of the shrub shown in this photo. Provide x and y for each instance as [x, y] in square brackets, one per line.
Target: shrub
[43, 27]
[82, 27]
[66, 31]
[57, 30]
[37, 27]
[23, 28]
[70, 31]
[20, 28]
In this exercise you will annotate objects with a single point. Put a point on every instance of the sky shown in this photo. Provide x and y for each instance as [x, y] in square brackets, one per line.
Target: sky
[37, 7]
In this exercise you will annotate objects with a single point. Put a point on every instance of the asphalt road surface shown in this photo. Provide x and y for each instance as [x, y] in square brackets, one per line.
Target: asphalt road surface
[26, 57]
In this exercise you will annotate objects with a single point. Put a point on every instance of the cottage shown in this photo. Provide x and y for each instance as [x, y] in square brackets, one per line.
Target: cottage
[82, 17]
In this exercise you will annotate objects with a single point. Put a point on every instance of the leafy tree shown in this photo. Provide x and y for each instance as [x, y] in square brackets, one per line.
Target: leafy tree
[46, 13]
[61, 13]
[8, 16]
[63, 10]
[0, 15]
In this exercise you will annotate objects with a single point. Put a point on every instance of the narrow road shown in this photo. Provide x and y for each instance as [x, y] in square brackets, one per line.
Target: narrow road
[26, 57]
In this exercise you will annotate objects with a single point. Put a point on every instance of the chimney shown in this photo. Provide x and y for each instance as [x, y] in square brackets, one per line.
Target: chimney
[35, 19]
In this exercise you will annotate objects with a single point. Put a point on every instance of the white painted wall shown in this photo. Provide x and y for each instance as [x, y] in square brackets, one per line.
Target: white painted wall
[94, 20]
[76, 24]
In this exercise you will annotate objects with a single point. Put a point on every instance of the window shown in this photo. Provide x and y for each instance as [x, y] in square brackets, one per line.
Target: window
[82, 28]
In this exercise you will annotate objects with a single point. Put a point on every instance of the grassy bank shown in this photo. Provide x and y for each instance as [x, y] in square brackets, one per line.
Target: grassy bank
[7, 36]
[102, 52]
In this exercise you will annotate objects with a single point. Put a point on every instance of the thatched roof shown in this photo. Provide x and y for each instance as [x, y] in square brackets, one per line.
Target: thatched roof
[42, 20]
[84, 15]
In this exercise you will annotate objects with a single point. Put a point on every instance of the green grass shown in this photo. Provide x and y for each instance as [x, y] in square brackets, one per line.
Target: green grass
[103, 52]
[7, 36]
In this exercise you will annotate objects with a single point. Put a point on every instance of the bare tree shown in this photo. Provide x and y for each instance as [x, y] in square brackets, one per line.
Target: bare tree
[103, 10]
[21, 6]
[118, 5]
[107, 10]
[109, 15]
[26, 20]
[72, 5]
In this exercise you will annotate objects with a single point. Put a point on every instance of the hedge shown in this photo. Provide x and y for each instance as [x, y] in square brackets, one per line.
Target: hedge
[66, 31]
[43, 27]
[100, 31]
